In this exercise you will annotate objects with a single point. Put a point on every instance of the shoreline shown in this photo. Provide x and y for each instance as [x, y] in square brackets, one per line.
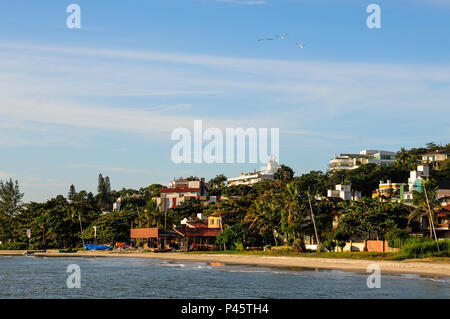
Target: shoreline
[429, 269]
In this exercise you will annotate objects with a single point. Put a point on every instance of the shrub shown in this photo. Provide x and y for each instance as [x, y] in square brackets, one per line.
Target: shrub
[36, 246]
[238, 246]
[13, 246]
[423, 248]
[341, 236]
[299, 245]
[329, 245]
[321, 248]
[267, 247]
[341, 244]
[397, 237]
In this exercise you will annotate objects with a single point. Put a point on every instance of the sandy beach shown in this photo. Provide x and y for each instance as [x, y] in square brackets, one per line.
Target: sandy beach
[421, 267]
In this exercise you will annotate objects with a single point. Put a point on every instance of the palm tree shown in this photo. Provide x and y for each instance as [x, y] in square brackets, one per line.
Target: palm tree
[264, 214]
[150, 216]
[421, 203]
[296, 211]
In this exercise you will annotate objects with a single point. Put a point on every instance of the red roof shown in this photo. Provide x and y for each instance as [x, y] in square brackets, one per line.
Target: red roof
[199, 224]
[151, 233]
[198, 232]
[179, 190]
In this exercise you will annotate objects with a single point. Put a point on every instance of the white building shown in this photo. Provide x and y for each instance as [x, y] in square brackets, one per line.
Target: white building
[416, 179]
[256, 176]
[179, 191]
[435, 158]
[345, 192]
[352, 161]
[117, 204]
[388, 189]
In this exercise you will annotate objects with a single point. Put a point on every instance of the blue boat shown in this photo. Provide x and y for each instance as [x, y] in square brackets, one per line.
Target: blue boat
[96, 247]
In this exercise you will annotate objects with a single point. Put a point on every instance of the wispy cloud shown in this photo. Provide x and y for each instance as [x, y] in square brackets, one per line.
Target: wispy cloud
[280, 90]
[243, 2]
[107, 168]
[39, 185]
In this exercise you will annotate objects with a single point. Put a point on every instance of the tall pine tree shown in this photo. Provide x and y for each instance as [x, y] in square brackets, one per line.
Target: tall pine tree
[10, 197]
[72, 193]
[104, 191]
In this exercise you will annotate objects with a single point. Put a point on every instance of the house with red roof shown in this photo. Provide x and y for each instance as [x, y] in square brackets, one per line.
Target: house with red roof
[181, 190]
[200, 234]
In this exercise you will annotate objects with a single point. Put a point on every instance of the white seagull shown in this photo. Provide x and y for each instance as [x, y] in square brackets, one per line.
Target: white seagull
[265, 39]
[282, 37]
[302, 46]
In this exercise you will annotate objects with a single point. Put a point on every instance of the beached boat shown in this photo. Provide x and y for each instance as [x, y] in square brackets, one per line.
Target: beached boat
[158, 250]
[32, 252]
[97, 247]
[68, 250]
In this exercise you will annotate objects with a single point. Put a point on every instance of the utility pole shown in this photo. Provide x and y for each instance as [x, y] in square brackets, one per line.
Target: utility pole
[165, 218]
[221, 228]
[431, 217]
[95, 237]
[29, 237]
[314, 223]
[81, 228]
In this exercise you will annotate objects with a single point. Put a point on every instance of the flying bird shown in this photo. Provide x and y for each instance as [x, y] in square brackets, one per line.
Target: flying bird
[302, 46]
[265, 39]
[282, 37]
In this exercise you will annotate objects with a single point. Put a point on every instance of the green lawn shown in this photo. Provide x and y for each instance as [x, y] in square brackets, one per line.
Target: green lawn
[286, 252]
[349, 255]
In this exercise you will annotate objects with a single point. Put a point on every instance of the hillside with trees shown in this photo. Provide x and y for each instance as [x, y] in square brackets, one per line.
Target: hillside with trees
[267, 213]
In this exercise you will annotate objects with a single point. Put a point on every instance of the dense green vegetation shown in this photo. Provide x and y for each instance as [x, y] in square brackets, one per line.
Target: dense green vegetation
[274, 213]
[420, 248]
[58, 222]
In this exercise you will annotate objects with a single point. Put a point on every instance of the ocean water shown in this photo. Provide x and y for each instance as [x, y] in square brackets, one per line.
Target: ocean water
[34, 277]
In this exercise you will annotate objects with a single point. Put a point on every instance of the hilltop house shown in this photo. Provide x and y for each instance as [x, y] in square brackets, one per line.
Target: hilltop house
[344, 192]
[435, 158]
[181, 190]
[256, 176]
[117, 205]
[352, 161]
[415, 180]
[388, 190]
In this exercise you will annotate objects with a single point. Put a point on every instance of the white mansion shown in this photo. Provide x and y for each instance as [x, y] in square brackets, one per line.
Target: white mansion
[256, 176]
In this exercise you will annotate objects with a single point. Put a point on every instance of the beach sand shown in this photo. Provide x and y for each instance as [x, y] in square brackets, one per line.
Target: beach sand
[420, 267]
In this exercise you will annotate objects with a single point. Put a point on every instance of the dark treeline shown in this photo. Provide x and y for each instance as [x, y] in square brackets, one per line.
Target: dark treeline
[266, 213]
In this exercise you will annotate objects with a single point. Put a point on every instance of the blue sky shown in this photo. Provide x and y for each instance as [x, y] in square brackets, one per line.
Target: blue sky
[105, 98]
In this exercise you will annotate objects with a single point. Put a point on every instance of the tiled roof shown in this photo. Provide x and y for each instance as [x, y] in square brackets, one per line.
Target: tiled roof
[151, 233]
[199, 224]
[179, 190]
[437, 152]
[198, 232]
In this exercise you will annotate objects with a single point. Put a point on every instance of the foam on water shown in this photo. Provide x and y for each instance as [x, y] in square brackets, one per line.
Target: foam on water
[23, 277]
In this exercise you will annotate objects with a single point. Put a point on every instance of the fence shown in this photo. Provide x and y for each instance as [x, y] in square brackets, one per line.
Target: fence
[368, 245]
